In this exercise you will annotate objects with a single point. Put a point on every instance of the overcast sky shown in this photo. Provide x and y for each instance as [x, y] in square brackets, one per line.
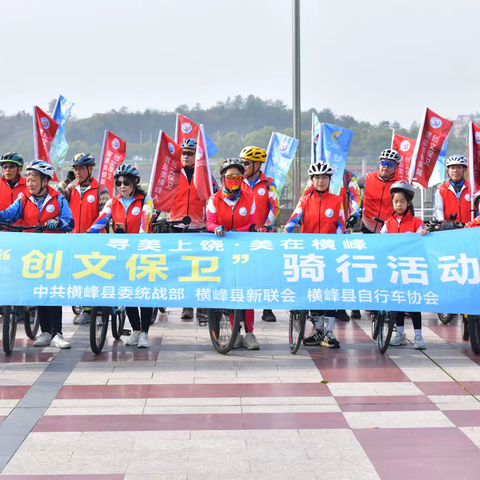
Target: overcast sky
[373, 59]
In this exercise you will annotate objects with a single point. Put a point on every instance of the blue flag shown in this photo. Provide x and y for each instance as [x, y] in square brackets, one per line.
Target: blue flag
[315, 137]
[438, 175]
[212, 149]
[280, 153]
[59, 147]
[333, 148]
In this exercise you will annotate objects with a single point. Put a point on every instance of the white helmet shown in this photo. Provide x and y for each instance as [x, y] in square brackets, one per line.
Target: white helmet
[41, 166]
[320, 168]
[456, 160]
[402, 186]
[390, 154]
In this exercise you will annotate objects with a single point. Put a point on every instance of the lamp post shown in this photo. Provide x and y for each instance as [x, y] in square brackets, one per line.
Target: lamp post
[297, 171]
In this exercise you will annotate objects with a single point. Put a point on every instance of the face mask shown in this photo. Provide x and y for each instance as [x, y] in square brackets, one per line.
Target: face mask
[233, 185]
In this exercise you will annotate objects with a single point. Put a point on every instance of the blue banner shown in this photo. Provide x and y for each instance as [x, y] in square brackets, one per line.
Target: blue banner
[438, 175]
[212, 149]
[280, 153]
[334, 146]
[59, 147]
[403, 272]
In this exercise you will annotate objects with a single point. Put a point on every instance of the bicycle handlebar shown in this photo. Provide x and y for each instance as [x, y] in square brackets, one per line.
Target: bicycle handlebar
[379, 220]
[20, 228]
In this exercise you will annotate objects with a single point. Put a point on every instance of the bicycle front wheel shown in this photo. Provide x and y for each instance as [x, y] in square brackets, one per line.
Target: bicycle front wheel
[154, 316]
[386, 322]
[473, 322]
[31, 321]
[296, 329]
[445, 317]
[99, 328]
[222, 332]
[118, 324]
[465, 334]
[9, 329]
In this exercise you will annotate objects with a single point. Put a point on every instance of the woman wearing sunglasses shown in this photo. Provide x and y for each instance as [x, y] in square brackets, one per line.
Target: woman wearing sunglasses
[131, 212]
[233, 209]
[376, 185]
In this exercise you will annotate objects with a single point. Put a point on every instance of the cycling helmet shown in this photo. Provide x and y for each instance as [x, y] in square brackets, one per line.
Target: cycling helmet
[402, 186]
[456, 160]
[320, 168]
[254, 154]
[41, 166]
[232, 162]
[127, 170]
[189, 143]
[476, 198]
[390, 154]
[83, 159]
[12, 158]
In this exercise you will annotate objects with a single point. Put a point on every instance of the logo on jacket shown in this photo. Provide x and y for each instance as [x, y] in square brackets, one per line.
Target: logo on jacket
[45, 123]
[242, 211]
[171, 148]
[329, 212]
[186, 127]
[435, 122]
[90, 198]
[477, 137]
[135, 211]
[405, 146]
[336, 136]
[116, 143]
[468, 197]
[50, 208]
[261, 191]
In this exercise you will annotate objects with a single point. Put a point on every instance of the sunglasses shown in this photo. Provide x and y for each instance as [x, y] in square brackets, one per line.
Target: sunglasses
[230, 176]
[188, 154]
[246, 163]
[126, 182]
[388, 163]
[8, 166]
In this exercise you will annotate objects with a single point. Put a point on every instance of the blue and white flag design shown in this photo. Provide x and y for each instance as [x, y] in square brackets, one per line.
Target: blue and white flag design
[59, 147]
[438, 175]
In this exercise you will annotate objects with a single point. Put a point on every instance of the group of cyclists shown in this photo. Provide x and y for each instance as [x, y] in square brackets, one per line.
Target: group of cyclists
[245, 201]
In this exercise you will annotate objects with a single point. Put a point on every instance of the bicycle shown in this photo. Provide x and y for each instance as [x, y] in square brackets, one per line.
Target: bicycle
[296, 328]
[100, 318]
[223, 331]
[383, 323]
[12, 314]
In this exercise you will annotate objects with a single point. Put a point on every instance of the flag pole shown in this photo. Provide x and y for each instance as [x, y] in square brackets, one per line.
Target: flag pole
[413, 162]
[102, 155]
[35, 135]
[297, 171]
[471, 173]
[154, 164]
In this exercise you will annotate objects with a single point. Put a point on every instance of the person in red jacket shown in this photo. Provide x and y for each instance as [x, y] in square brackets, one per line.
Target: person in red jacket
[12, 182]
[403, 221]
[453, 197]
[320, 212]
[233, 209]
[267, 203]
[86, 199]
[476, 204]
[376, 186]
[188, 203]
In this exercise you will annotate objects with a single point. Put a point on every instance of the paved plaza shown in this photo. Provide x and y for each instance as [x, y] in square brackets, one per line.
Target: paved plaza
[181, 411]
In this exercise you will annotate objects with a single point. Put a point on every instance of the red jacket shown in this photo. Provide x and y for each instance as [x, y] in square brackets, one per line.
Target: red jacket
[262, 204]
[84, 208]
[132, 218]
[187, 202]
[8, 194]
[451, 204]
[408, 223]
[320, 212]
[237, 218]
[31, 214]
[377, 200]
[475, 223]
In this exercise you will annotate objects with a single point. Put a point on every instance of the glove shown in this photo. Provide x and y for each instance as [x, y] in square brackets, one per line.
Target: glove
[220, 231]
[70, 177]
[352, 220]
[52, 224]
[263, 229]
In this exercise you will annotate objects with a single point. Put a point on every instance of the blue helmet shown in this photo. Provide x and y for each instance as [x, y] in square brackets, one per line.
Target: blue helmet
[189, 143]
[83, 159]
[124, 170]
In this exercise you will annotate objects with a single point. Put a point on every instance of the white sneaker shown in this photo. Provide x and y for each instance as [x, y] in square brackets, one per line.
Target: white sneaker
[239, 342]
[400, 339]
[133, 339]
[143, 340]
[59, 342]
[419, 343]
[82, 318]
[251, 342]
[43, 340]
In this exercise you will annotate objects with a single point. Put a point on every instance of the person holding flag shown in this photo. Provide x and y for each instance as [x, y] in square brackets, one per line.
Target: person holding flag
[267, 203]
[86, 199]
[376, 186]
[12, 182]
[453, 198]
[188, 203]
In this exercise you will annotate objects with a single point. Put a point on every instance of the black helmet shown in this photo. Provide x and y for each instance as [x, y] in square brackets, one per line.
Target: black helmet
[232, 162]
[12, 158]
[86, 159]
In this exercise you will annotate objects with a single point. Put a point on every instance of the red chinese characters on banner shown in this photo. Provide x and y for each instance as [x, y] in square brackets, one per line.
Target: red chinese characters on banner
[185, 129]
[474, 157]
[405, 147]
[166, 170]
[202, 178]
[432, 135]
[114, 153]
[44, 130]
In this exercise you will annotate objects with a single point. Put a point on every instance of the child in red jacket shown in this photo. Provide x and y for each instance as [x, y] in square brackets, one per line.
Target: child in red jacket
[476, 204]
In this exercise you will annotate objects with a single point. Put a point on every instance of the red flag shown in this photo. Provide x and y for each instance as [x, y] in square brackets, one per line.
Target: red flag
[405, 147]
[185, 129]
[474, 157]
[114, 151]
[44, 130]
[166, 170]
[431, 136]
[202, 178]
